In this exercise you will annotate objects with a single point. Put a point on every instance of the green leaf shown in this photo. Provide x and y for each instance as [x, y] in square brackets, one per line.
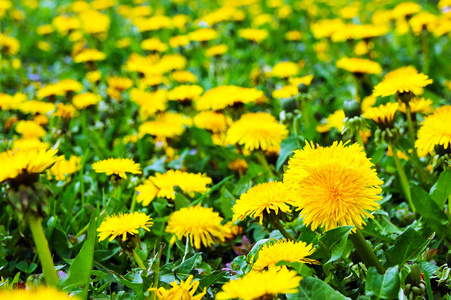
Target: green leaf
[426, 207]
[408, 246]
[315, 289]
[180, 201]
[334, 243]
[383, 286]
[286, 148]
[188, 265]
[80, 270]
[201, 136]
[227, 202]
[442, 189]
[207, 281]
[177, 164]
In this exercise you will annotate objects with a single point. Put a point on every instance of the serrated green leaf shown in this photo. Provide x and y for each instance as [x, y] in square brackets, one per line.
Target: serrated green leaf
[80, 270]
[408, 246]
[188, 265]
[227, 201]
[286, 148]
[315, 289]
[383, 286]
[442, 189]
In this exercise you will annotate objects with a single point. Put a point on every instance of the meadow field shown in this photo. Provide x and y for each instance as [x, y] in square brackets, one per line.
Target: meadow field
[226, 149]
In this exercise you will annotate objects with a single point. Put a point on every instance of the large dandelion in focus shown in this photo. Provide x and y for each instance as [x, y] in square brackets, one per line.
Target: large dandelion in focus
[335, 186]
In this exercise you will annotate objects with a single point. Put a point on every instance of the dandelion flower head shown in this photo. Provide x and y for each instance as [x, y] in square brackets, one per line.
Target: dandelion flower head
[184, 290]
[201, 224]
[403, 80]
[262, 199]
[256, 285]
[123, 224]
[435, 132]
[334, 186]
[257, 131]
[117, 166]
[383, 115]
[359, 65]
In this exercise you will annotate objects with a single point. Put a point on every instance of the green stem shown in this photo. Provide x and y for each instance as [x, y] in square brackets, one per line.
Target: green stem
[156, 272]
[43, 249]
[403, 177]
[410, 123]
[140, 151]
[366, 252]
[132, 206]
[356, 86]
[304, 112]
[425, 48]
[262, 160]
[359, 139]
[283, 231]
[138, 260]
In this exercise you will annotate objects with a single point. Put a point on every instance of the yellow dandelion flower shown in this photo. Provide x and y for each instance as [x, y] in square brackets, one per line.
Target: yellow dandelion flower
[261, 285]
[35, 107]
[117, 166]
[227, 95]
[9, 45]
[203, 35]
[289, 251]
[285, 69]
[184, 290]
[119, 83]
[216, 50]
[8, 102]
[263, 199]
[44, 29]
[123, 225]
[402, 80]
[187, 182]
[257, 131]
[334, 186]
[30, 129]
[179, 41]
[93, 76]
[285, 92]
[89, 55]
[154, 44]
[166, 125]
[435, 131]
[306, 80]
[65, 111]
[359, 65]
[185, 93]
[61, 169]
[86, 99]
[27, 161]
[41, 293]
[26, 144]
[239, 165]
[184, 77]
[201, 224]
[293, 35]
[213, 121]
[383, 115]
[146, 192]
[94, 22]
[334, 120]
[417, 105]
[150, 102]
[252, 34]
[404, 9]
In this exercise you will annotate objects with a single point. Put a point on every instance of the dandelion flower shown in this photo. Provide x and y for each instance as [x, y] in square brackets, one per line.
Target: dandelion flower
[41, 293]
[285, 69]
[123, 224]
[256, 285]
[146, 192]
[30, 130]
[435, 131]
[417, 105]
[61, 169]
[227, 95]
[216, 50]
[89, 55]
[29, 161]
[255, 35]
[185, 93]
[334, 186]
[383, 115]
[201, 224]
[187, 182]
[289, 251]
[86, 99]
[213, 121]
[263, 199]
[166, 125]
[184, 290]
[117, 166]
[257, 131]
[403, 80]
[359, 65]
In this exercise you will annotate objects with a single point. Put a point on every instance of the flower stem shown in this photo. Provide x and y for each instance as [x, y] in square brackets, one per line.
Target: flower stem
[132, 206]
[42, 247]
[410, 123]
[262, 160]
[359, 139]
[366, 253]
[138, 260]
[282, 230]
[403, 177]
